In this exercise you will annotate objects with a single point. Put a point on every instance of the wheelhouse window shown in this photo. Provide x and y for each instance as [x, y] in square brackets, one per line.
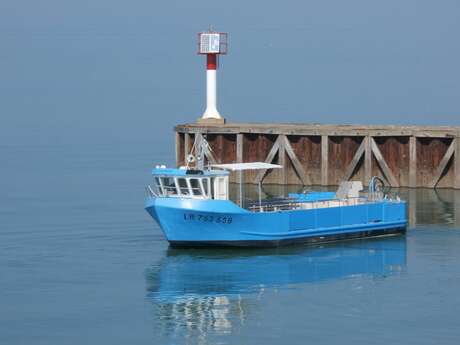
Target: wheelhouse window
[195, 186]
[169, 186]
[205, 183]
[157, 186]
[178, 186]
[183, 187]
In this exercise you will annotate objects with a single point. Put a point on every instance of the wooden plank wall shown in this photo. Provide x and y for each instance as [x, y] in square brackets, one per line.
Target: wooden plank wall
[410, 158]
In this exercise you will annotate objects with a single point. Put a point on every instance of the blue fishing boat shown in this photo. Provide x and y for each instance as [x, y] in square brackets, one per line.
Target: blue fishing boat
[193, 208]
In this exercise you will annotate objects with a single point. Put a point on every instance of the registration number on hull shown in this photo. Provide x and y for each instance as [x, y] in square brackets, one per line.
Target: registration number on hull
[207, 219]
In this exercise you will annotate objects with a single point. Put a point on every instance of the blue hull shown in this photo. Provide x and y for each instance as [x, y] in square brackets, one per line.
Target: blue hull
[191, 222]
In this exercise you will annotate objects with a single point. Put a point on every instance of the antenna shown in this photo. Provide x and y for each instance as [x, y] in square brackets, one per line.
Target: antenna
[212, 44]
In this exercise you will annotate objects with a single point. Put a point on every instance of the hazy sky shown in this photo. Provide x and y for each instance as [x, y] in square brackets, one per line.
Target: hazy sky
[127, 70]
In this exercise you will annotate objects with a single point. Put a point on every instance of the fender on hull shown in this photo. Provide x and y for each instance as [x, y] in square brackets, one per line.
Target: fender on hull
[307, 240]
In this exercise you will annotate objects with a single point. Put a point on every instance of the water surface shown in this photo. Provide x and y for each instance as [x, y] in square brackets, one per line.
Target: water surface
[82, 262]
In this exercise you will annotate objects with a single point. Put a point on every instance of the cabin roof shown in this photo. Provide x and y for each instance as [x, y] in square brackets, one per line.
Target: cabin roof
[187, 172]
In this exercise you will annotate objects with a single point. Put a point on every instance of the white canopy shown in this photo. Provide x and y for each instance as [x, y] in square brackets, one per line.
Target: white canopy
[247, 166]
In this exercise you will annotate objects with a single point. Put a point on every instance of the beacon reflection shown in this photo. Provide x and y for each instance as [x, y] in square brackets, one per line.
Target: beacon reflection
[208, 290]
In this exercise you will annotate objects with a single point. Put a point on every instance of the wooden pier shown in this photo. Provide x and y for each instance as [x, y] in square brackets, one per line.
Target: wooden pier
[313, 154]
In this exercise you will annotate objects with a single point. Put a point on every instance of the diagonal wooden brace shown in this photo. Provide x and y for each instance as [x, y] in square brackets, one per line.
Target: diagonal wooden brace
[295, 161]
[443, 164]
[383, 165]
[271, 155]
[354, 162]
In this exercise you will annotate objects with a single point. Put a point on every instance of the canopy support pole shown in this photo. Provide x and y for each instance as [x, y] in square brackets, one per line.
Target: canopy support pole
[240, 178]
[260, 196]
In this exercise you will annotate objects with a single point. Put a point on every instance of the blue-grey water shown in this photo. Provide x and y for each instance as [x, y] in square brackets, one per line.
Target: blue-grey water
[82, 262]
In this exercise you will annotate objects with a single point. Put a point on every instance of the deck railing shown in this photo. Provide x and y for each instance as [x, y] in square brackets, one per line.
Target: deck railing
[268, 206]
[150, 192]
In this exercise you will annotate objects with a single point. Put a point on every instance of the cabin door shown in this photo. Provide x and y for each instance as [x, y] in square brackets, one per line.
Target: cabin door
[221, 188]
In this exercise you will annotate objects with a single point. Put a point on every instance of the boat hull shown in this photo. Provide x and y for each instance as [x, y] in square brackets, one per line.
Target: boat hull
[197, 223]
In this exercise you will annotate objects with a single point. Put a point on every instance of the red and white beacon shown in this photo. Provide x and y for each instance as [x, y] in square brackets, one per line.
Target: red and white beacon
[212, 44]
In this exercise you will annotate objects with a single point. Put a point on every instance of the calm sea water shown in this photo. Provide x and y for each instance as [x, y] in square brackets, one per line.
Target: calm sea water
[82, 262]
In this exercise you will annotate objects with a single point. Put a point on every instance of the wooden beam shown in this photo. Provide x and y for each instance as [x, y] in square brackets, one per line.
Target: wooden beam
[295, 162]
[271, 155]
[367, 160]
[239, 147]
[239, 154]
[315, 129]
[324, 159]
[412, 162]
[354, 162]
[443, 164]
[220, 148]
[457, 167]
[177, 149]
[383, 164]
[239, 159]
[282, 161]
[186, 146]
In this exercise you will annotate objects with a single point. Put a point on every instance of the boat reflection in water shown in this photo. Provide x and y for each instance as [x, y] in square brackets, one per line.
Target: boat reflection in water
[209, 290]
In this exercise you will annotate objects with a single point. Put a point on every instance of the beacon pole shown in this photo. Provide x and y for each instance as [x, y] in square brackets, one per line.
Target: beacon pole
[211, 44]
[211, 88]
